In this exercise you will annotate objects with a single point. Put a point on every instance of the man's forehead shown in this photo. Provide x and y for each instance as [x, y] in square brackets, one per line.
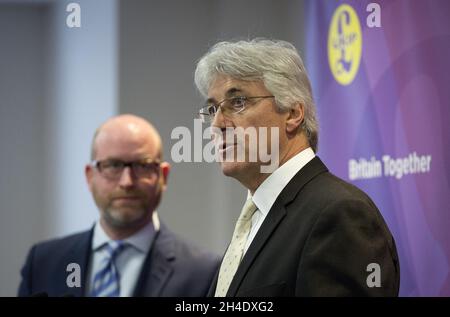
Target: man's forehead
[222, 82]
[126, 144]
[227, 86]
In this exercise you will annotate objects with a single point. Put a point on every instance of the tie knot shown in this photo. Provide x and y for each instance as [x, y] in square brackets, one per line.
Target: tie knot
[114, 247]
[248, 210]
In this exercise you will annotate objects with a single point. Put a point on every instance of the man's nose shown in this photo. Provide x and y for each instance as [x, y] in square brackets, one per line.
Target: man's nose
[126, 178]
[219, 120]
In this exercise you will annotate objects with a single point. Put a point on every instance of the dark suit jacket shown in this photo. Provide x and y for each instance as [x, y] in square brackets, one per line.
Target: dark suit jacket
[172, 267]
[317, 240]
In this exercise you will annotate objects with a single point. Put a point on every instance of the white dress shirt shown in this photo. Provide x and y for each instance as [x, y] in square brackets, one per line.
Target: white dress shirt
[128, 262]
[266, 194]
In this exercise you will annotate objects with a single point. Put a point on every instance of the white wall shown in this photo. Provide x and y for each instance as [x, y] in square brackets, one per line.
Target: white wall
[82, 93]
[22, 153]
[56, 86]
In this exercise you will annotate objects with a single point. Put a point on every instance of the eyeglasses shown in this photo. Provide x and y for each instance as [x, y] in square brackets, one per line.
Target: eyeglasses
[113, 169]
[228, 106]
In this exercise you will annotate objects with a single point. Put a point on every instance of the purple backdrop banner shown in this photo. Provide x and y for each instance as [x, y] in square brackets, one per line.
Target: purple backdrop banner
[380, 72]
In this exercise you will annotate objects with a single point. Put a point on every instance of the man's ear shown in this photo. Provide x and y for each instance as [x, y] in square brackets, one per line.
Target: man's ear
[165, 170]
[295, 118]
[88, 172]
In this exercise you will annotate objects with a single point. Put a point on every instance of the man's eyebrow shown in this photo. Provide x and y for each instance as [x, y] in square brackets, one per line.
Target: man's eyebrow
[230, 93]
[110, 158]
[138, 159]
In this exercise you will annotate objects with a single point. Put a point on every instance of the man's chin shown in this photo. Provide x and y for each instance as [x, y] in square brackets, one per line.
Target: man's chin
[233, 169]
[125, 217]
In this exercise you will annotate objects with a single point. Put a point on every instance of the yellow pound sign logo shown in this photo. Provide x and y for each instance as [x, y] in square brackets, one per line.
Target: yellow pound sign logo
[344, 44]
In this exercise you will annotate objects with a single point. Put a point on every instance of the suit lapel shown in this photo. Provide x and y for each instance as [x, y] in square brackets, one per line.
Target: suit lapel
[157, 267]
[212, 288]
[274, 217]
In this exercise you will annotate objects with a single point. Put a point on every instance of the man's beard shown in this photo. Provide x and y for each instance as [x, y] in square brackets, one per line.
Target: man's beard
[116, 219]
[142, 214]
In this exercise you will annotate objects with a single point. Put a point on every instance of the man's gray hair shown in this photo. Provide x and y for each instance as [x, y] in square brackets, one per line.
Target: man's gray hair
[276, 63]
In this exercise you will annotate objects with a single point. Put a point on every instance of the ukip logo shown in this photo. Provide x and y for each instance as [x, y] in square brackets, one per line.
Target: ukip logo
[344, 44]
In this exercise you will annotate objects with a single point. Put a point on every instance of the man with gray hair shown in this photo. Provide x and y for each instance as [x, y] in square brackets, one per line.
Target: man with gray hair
[302, 231]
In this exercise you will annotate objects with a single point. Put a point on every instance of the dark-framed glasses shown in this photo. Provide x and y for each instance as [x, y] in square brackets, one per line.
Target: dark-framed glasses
[232, 105]
[113, 168]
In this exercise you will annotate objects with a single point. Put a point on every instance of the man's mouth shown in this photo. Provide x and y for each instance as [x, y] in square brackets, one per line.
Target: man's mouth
[224, 147]
[126, 198]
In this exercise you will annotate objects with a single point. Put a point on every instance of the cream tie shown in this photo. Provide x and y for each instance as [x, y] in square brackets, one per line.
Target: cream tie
[233, 256]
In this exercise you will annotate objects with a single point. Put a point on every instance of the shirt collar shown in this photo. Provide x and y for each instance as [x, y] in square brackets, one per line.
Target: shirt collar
[266, 194]
[141, 240]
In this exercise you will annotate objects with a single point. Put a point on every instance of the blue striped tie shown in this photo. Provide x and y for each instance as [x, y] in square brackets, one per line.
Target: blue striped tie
[106, 280]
